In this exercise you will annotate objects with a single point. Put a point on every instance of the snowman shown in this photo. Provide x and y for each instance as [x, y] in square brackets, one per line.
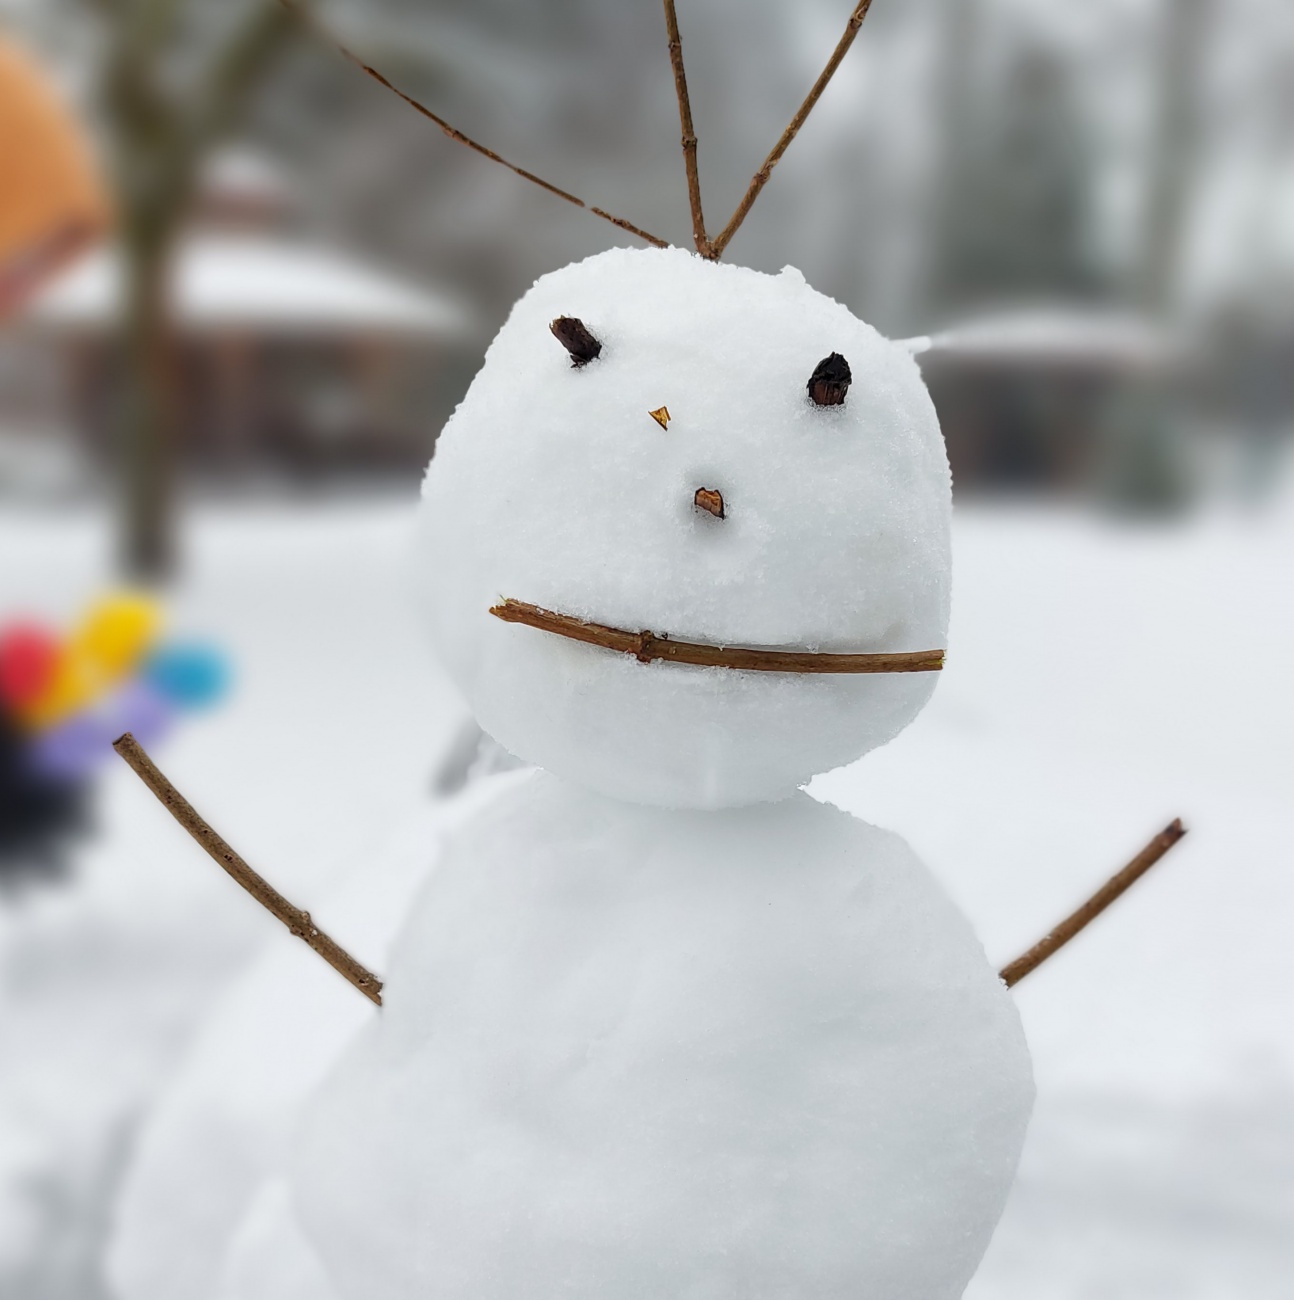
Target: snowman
[656, 1024]
[659, 1024]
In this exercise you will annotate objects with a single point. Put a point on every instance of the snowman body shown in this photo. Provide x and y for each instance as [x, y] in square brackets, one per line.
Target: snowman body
[659, 1025]
[634, 1052]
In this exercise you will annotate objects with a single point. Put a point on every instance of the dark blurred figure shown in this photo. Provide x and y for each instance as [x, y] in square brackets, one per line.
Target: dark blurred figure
[40, 816]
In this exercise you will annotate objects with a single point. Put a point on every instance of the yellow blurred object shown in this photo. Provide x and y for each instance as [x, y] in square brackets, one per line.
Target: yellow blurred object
[73, 687]
[114, 637]
[117, 633]
[52, 203]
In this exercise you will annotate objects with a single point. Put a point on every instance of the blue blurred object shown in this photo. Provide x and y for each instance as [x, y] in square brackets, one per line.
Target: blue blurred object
[191, 675]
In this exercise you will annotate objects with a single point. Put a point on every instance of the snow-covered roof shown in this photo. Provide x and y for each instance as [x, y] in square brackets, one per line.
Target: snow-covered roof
[1056, 335]
[239, 173]
[261, 284]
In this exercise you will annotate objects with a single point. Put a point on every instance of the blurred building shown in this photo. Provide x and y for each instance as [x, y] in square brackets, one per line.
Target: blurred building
[1047, 399]
[291, 358]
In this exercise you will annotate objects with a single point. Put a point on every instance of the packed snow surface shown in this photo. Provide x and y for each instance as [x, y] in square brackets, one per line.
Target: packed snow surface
[217, 1139]
[1158, 1156]
[269, 1257]
[631, 1052]
[553, 484]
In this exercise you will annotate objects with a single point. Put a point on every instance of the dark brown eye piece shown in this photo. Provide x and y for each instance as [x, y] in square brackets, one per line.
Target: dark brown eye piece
[830, 380]
[574, 336]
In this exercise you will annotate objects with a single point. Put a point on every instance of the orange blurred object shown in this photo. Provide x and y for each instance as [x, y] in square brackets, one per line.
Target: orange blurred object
[52, 202]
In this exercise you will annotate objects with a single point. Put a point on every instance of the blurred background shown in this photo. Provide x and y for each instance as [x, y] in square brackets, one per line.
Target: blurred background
[223, 375]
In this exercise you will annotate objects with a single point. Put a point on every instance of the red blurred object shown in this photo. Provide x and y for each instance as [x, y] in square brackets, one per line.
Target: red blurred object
[28, 661]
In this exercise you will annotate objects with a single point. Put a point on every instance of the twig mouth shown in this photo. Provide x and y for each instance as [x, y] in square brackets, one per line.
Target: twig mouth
[646, 646]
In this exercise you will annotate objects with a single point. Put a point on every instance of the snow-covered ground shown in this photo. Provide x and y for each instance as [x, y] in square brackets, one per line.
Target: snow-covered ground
[1103, 678]
[332, 735]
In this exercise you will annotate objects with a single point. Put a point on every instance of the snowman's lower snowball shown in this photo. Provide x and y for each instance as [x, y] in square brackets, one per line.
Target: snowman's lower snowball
[631, 1053]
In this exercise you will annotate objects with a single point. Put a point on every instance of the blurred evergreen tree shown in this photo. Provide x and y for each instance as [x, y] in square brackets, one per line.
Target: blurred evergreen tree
[1012, 218]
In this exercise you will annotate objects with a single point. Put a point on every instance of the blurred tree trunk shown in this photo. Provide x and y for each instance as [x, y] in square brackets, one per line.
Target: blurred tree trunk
[147, 434]
[163, 129]
[1174, 155]
[1151, 469]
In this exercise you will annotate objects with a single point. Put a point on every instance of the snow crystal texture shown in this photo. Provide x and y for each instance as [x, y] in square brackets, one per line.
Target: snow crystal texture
[220, 1129]
[629, 1054]
[268, 1257]
[553, 484]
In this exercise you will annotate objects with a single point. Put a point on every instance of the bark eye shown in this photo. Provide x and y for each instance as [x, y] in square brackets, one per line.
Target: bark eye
[576, 338]
[830, 381]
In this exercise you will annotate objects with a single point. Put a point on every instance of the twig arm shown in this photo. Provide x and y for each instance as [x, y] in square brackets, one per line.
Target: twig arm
[689, 132]
[261, 890]
[1083, 916]
[301, 925]
[760, 179]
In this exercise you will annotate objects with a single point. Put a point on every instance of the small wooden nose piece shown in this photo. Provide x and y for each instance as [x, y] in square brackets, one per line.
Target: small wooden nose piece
[711, 501]
[661, 415]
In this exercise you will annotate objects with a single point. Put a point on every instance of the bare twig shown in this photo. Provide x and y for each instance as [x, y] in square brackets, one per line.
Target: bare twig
[760, 179]
[311, 21]
[689, 134]
[294, 918]
[646, 646]
[1076, 921]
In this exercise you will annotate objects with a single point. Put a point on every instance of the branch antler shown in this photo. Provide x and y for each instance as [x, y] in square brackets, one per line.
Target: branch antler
[689, 134]
[314, 24]
[707, 247]
[760, 179]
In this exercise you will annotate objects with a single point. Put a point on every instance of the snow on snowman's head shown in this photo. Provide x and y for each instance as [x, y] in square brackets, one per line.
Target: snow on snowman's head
[555, 484]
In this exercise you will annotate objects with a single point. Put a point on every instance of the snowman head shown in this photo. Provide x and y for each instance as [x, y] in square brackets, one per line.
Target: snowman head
[657, 461]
